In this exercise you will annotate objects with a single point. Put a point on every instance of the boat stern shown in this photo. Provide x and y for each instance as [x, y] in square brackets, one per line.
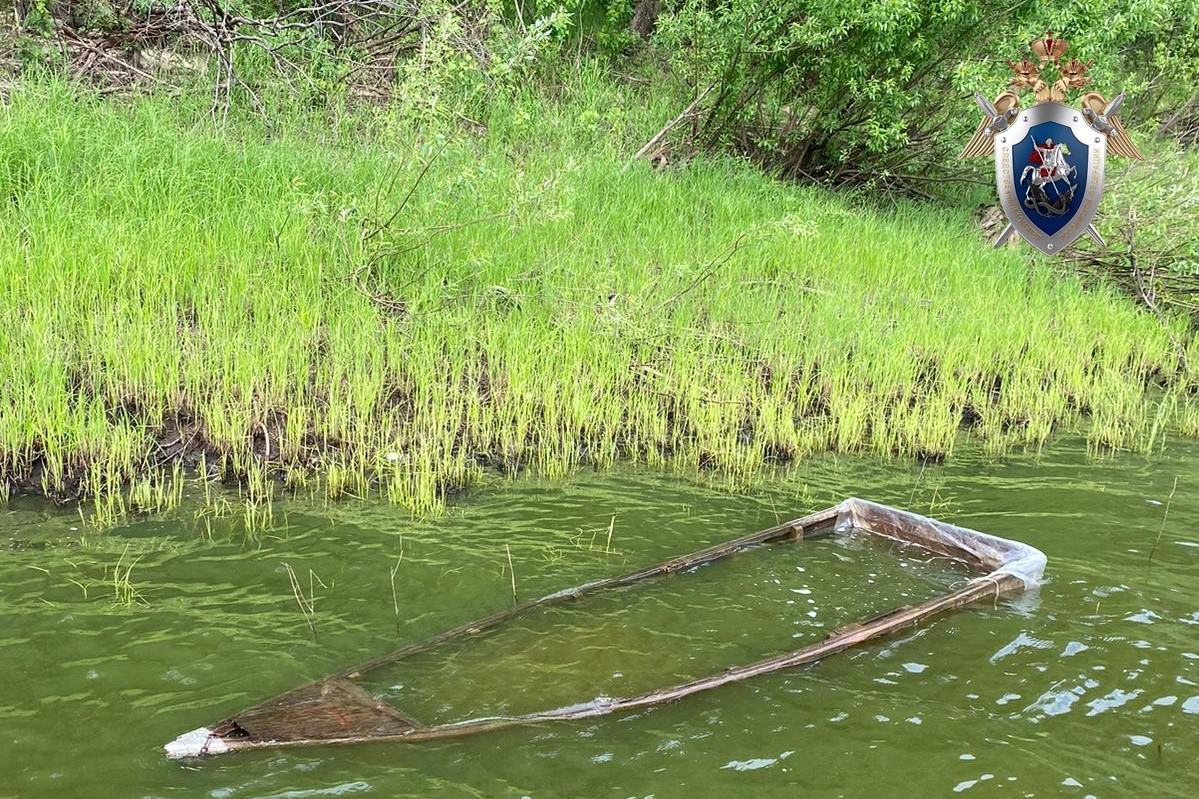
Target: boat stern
[200, 741]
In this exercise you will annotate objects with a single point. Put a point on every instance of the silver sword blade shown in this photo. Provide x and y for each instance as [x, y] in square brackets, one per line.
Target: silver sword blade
[1093, 233]
[1007, 233]
[985, 105]
[1114, 106]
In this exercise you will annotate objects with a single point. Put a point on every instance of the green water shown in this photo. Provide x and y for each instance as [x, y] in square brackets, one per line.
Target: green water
[633, 639]
[1090, 687]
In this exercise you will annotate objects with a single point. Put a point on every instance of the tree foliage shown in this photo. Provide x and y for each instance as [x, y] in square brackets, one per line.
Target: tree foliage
[841, 91]
[880, 90]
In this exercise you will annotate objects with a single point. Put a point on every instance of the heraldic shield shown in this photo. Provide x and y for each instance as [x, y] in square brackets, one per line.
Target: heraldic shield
[1049, 167]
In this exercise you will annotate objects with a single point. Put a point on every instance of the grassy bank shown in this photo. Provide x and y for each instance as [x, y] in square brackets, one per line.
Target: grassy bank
[308, 306]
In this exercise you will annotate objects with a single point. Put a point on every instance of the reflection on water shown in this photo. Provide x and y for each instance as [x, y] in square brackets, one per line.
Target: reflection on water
[1089, 688]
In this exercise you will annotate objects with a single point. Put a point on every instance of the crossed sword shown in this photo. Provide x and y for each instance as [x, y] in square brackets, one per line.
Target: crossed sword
[1001, 122]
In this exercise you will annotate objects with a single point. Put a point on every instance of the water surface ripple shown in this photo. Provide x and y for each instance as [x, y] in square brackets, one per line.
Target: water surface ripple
[1088, 687]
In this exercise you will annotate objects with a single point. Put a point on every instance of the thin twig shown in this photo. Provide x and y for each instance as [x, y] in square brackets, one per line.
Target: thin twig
[305, 603]
[408, 196]
[715, 265]
[395, 602]
[1165, 515]
[511, 572]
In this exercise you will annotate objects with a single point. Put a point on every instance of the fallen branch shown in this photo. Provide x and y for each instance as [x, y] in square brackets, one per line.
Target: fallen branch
[687, 113]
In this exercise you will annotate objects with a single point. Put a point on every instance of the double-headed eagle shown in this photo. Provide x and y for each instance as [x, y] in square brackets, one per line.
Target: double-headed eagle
[1026, 75]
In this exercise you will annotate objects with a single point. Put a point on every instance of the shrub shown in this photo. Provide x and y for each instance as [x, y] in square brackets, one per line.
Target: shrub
[879, 91]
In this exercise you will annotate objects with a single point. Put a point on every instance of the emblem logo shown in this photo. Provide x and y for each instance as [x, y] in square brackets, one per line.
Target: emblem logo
[1049, 157]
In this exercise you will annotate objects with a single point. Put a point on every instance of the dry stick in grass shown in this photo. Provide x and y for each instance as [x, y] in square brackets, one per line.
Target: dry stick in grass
[1165, 515]
[383, 299]
[96, 52]
[1148, 292]
[411, 190]
[711, 270]
[687, 113]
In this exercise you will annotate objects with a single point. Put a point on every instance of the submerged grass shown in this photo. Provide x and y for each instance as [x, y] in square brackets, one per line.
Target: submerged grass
[124, 593]
[536, 301]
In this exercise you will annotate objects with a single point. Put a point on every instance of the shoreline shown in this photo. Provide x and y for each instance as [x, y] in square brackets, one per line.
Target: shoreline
[391, 317]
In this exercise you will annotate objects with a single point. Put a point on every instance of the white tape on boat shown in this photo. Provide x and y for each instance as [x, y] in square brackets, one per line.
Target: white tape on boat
[200, 741]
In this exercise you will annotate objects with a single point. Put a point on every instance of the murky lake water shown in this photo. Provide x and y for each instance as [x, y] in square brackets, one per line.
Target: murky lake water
[1090, 687]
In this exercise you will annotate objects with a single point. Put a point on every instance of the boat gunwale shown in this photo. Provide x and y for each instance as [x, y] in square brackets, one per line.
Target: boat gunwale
[1008, 565]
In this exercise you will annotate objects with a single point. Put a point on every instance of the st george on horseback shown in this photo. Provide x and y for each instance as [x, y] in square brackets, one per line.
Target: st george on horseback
[1047, 165]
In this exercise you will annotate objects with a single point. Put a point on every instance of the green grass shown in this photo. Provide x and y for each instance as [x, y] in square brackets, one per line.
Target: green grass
[537, 302]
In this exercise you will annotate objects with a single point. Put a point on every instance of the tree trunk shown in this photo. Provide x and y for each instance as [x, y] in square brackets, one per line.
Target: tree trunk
[645, 16]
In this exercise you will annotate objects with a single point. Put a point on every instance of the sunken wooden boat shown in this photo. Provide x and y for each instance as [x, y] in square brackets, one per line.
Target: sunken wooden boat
[339, 710]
